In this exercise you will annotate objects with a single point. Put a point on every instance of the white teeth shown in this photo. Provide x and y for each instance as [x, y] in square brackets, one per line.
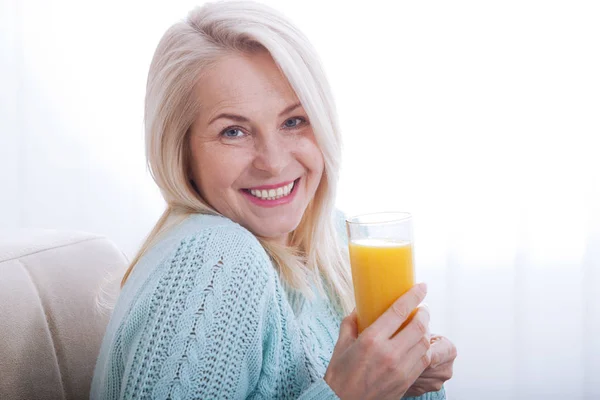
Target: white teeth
[288, 188]
[273, 194]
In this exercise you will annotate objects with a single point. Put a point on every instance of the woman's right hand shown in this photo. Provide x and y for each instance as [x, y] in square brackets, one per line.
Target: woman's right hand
[378, 364]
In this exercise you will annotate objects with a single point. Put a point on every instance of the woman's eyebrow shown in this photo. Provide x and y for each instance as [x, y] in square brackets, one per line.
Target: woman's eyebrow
[290, 109]
[233, 117]
[239, 118]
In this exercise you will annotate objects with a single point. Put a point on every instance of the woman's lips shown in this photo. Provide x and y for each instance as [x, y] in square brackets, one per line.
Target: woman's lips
[267, 187]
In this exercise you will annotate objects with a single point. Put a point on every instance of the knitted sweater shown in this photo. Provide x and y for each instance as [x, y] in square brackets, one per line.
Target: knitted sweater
[204, 316]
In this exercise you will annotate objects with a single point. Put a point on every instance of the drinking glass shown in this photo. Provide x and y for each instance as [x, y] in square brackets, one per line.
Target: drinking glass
[381, 259]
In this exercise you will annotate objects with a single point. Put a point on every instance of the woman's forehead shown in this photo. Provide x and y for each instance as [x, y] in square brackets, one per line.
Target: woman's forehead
[244, 80]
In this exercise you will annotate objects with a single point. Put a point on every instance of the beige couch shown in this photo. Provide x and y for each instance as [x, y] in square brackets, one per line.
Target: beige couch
[50, 324]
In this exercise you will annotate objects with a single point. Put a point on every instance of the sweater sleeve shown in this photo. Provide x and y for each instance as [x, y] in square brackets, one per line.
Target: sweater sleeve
[204, 321]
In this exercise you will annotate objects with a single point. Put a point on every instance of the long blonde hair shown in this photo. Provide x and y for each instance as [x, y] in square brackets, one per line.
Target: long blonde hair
[183, 53]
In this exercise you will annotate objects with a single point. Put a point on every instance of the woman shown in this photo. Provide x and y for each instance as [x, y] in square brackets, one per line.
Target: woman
[240, 289]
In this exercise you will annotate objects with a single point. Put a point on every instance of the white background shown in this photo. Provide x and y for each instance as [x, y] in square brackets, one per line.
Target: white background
[482, 118]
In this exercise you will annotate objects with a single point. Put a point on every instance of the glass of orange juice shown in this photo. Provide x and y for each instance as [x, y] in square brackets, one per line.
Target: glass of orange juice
[381, 258]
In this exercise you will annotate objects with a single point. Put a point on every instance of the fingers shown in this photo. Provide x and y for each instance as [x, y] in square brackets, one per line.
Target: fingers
[419, 352]
[416, 335]
[441, 372]
[425, 385]
[399, 312]
[443, 351]
[432, 380]
[416, 330]
[348, 330]
[420, 357]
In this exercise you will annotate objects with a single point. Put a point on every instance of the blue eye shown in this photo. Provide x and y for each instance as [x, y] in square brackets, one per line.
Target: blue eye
[293, 122]
[232, 133]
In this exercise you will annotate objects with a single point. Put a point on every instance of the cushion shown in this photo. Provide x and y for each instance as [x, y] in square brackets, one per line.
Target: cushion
[53, 286]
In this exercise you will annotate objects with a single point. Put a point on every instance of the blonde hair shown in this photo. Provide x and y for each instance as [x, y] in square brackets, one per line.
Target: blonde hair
[184, 52]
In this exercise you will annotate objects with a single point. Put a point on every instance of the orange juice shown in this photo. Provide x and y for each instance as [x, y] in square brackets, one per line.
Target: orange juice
[382, 271]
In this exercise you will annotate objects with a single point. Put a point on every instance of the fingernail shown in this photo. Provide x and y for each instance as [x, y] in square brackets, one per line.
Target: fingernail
[422, 287]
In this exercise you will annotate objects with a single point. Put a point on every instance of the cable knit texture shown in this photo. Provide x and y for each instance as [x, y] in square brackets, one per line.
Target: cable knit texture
[204, 316]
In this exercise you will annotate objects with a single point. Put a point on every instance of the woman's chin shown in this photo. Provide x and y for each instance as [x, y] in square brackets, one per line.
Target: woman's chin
[277, 232]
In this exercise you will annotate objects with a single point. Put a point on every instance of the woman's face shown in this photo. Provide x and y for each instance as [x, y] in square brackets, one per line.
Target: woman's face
[254, 155]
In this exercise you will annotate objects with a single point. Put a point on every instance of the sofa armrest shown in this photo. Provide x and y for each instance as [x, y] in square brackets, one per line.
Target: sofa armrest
[50, 324]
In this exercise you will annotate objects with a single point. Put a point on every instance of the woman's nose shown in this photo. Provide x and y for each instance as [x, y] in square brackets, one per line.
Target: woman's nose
[272, 156]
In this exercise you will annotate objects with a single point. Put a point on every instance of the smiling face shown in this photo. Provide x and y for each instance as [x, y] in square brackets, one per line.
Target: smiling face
[254, 157]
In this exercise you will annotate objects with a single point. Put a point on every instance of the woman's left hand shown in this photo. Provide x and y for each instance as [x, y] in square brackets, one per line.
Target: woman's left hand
[443, 353]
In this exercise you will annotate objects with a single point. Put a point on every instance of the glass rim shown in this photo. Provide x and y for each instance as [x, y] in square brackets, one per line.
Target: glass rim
[379, 218]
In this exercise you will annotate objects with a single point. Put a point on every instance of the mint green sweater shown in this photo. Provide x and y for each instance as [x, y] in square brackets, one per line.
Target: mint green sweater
[204, 316]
